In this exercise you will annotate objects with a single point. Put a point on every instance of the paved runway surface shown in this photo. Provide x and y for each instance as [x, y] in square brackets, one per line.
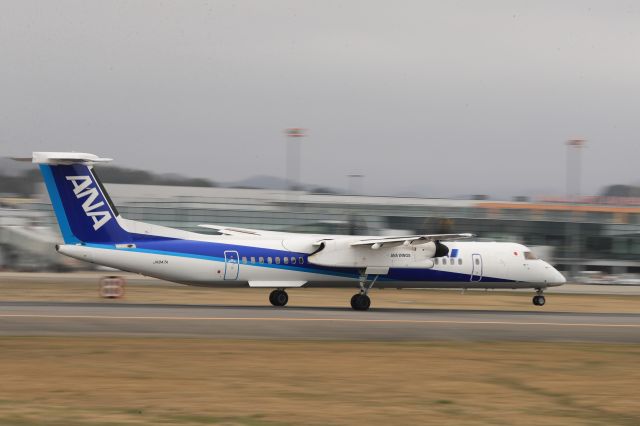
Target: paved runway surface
[259, 322]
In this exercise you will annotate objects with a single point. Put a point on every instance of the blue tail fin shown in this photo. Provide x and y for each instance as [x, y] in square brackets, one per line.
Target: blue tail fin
[83, 208]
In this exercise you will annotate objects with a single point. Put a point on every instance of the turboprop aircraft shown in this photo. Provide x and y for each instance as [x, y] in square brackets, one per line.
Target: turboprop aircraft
[93, 231]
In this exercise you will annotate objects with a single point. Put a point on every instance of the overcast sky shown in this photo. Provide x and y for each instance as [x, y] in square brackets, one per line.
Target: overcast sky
[444, 98]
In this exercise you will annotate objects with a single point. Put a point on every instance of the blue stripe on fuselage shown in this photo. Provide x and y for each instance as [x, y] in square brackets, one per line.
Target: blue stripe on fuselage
[209, 250]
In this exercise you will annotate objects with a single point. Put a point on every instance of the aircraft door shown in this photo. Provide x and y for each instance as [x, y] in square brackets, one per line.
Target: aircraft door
[231, 265]
[476, 268]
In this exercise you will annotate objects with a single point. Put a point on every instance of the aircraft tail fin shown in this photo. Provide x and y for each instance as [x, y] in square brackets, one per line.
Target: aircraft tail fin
[82, 206]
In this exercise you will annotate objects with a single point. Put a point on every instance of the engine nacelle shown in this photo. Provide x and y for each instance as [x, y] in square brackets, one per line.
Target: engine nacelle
[441, 250]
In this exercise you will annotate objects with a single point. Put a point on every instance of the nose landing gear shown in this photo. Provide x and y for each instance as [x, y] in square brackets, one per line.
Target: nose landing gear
[539, 299]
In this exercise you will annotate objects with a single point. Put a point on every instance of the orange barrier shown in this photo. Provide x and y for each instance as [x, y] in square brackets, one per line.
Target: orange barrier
[111, 287]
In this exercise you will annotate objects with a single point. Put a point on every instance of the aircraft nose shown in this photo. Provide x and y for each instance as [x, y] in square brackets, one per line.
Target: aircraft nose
[554, 276]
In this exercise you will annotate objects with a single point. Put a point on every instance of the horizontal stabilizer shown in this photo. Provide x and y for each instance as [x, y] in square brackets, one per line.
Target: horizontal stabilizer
[64, 158]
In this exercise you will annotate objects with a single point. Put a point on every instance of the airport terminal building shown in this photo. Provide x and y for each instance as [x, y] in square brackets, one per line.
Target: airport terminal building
[593, 235]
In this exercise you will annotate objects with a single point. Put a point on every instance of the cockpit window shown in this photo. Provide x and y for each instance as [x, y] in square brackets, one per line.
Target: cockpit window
[529, 255]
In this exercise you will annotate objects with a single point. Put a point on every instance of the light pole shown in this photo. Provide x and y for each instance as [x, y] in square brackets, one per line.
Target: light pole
[355, 184]
[574, 149]
[354, 188]
[293, 156]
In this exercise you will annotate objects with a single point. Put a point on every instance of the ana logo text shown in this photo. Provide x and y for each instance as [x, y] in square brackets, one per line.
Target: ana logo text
[82, 188]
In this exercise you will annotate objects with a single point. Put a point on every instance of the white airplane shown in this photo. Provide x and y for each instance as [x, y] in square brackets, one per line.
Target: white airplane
[93, 231]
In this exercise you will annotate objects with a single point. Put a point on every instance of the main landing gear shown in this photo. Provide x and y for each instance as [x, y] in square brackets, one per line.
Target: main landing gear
[278, 297]
[538, 299]
[361, 301]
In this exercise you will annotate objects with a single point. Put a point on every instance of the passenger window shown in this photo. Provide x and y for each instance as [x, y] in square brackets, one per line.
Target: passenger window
[277, 260]
[293, 260]
[269, 260]
[435, 261]
[460, 261]
[261, 259]
[253, 259]
[477, 261]
[244, 259]
[452, 261]
[300, 260]
[286, 260]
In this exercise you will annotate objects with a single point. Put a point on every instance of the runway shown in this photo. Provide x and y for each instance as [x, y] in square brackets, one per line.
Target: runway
[292, 323]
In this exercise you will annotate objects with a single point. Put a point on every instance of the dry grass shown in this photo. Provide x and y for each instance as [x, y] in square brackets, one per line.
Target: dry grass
[109, 381]
[100, 381]
[84, 288]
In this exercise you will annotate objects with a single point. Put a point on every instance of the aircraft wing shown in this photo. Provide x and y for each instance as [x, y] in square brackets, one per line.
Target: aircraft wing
[245, 232]
[343, 252]
[376, 243]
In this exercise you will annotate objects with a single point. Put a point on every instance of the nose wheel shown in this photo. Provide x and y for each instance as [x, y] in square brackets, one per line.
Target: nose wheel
[278, 297]
[539, 299]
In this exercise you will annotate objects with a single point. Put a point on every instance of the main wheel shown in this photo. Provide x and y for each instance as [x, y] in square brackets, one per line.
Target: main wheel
[366, 302]
[354, 300]
[539, 300]
[278, 298]
[360, 302]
